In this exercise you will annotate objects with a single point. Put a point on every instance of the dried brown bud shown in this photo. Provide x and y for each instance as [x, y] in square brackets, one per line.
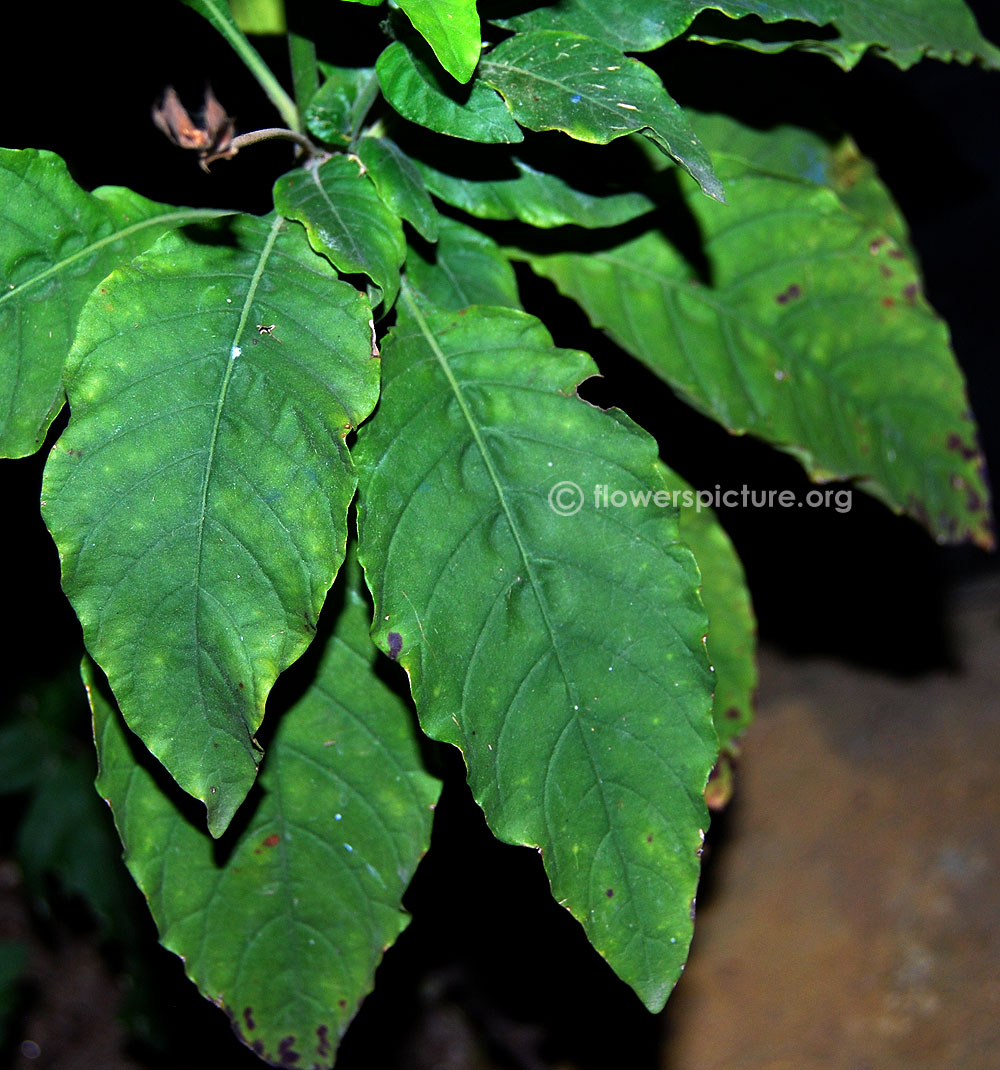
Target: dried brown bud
[212, 139]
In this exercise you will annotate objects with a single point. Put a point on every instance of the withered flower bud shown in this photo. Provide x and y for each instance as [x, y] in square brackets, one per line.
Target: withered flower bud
[212, 139]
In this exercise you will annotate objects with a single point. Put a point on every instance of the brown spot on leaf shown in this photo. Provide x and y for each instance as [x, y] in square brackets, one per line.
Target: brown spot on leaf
[955, 443]
[323, 1036]
[610, 893]
[248, 1018]
[273, 840]
[910, 291]
[888, 302]
[790, 293]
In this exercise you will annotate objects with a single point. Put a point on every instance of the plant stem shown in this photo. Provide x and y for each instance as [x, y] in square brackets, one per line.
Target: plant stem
[218, 14]
[269, 133]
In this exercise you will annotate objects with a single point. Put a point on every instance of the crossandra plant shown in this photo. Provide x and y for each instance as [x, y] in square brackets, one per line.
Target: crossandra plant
[349, 386]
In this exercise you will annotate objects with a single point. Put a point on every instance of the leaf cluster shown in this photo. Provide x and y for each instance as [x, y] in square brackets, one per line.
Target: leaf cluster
[349, 390]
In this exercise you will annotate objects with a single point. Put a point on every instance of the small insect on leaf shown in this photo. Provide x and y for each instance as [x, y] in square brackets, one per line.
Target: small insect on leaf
[268, 329]
[212, 139]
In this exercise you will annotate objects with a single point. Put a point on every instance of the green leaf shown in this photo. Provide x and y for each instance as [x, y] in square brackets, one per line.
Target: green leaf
[904, 32]
[810, 332]
[451, 28]
[732, 627]
[589, 90]
[58, 243]
[285, 933]
[305, 70]
[335, 112]
[563, 654]
[399, 184]
[798, 153]
[346, 220]
[534, 197]
[463, 268]
[418, 92]
[218, 14]
[199, 496]
[644, 25]
[262, 17]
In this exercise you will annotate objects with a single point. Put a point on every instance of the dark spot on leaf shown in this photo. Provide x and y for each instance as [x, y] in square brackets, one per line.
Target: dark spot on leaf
[877, 244]
[610, 892]
[273, 840]
[733, 713]
[258, 1048]
[955, 443]
[323, 1034]
[240, 685]
[649, 838]
[248, 1018]
[888, 302]
[897, 254]
[287, 1055]
[103, 291]
[395, 645]
[910, 291]
[789, 294]
[341, 1002]
[886, 270]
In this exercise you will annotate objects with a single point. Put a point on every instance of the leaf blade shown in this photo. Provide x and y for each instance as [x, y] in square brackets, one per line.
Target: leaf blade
[601, 767]
[59, 242]
[451, 28]
[346, 220]
[646, 25]
[554, 80]
[286, 934]
[785, 342]
[199, 495]
[412, 86]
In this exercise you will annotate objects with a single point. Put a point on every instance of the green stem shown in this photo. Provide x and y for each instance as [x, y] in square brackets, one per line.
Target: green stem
[218, 14]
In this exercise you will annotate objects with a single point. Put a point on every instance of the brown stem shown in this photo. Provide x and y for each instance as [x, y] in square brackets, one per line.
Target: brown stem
[271, 132]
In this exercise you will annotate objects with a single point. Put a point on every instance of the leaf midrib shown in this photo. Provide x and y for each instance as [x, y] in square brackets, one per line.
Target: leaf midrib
[231, 359]
[191, 215]
[442, 360]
